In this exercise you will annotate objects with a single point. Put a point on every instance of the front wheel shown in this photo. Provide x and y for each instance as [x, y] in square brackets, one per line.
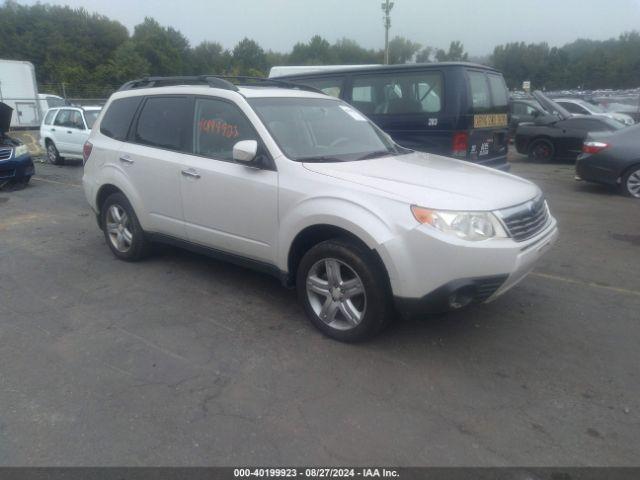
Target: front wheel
[53, 155]
[344, 290]
[541, 151]
[631, 182]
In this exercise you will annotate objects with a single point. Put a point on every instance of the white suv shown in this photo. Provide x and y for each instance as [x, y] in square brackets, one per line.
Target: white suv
[64, 131]
[301, 185]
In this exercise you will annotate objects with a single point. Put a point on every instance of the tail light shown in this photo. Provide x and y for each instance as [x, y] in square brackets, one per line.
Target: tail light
[460, 144]
[86, 152]
[593, 147]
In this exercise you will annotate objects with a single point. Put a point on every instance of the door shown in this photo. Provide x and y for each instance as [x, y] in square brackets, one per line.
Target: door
[152, 160]
[27, 114]
[59, 130]
[76, 133]
[228, 206]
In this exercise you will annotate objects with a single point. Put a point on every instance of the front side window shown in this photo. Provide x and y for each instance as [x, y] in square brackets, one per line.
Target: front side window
[117, 119]
[398, 93]
[75, 120]
[573, 108]
[322, 130]
[62, 120]
[219, 125]
[164, 122]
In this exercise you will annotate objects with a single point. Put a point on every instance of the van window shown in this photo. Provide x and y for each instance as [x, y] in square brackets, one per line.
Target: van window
[329, 86]
[165, 123]
[499, 91]
[481, 99]
[117, 119]
[219, 125]
[49, 117]
[398, 93]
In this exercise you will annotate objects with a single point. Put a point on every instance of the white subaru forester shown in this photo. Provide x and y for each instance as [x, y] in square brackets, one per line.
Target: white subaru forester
[303, 186]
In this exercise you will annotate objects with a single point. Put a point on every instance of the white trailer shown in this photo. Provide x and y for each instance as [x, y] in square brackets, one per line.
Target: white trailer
[281, 71]
[19, 90]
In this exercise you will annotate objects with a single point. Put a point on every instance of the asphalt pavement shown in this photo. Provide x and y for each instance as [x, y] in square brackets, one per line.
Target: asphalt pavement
[184, 360]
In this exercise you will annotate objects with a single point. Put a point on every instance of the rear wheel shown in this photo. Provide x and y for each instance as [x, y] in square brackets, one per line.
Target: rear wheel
[122, 230]
[541, 150]
[631, 182]
[53, 156]
[344, 290]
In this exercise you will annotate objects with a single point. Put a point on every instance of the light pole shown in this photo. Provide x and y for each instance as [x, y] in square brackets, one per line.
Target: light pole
[387, 6]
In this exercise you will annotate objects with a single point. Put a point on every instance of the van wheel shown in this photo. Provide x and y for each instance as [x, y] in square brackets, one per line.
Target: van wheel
[344, 291]
[631, 182]
[53, 155]
[541, 151]
[122, 230]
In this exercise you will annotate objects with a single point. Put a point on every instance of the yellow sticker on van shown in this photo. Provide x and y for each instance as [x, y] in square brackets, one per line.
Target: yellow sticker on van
[490, 120]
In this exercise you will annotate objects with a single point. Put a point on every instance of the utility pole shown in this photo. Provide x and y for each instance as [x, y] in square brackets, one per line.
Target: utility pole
[387, 6]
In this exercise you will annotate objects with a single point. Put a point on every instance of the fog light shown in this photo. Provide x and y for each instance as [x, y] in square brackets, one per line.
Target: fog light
[461, 298]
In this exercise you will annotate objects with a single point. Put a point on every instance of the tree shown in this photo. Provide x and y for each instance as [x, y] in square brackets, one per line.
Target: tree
[165, 49]
[249, 58]
[402, 50]
[316, 52]
[456, 53]
[210, 58]
[424, 55]
[349, 52]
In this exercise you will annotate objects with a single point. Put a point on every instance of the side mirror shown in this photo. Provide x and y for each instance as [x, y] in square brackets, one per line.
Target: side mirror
[245, 151]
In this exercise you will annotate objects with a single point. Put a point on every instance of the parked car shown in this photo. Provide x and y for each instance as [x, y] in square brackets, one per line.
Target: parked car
[523, 110]
[455, 109]
[303, 186]
[612, 159]
[578, 106]
[16, 164]
[558, 134]
[64, 131]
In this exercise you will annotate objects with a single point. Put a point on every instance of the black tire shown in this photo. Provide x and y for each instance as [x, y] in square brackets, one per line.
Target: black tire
[541, 150]
[630, 186]
[25, 180]
[353, 258]
[137, 247]
[52, 154]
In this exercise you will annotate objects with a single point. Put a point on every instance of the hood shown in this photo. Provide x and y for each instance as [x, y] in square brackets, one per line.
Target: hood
[551, 106]
[5, 117]
[433, 181]
[622, 117]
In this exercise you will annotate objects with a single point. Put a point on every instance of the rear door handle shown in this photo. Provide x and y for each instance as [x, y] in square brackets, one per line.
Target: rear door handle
[69, 131]
[190, 172]
[126, 160]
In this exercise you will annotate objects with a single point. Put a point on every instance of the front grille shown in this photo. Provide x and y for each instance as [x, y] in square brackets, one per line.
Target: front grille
[485, 287]
[7, 173]
[5, 153]
[527, 220]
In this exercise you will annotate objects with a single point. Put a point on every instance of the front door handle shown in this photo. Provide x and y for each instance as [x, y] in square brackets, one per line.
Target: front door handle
[69, 131]
[190, 172]
[126, 160]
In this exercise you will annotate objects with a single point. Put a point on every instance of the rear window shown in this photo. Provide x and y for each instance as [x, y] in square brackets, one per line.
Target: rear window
[499, 92]
[488, 91]
[165, 122]
[90, 116]
[398, 93]
[117, 119]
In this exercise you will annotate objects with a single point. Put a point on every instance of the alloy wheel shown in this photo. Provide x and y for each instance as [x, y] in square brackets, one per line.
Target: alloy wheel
[633, 184]
[52, 153]
[336, 294]
[118, 228]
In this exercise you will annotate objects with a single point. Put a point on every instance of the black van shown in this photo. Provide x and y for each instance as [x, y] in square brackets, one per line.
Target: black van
[455, 109]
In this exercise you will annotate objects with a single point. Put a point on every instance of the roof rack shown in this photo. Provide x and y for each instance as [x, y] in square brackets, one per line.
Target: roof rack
[214, 81]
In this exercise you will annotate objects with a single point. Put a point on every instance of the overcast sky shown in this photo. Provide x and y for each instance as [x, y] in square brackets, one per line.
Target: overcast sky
[279, 24]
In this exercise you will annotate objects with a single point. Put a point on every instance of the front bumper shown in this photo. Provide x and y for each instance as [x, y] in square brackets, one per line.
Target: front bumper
[432, 272]
[16, 168]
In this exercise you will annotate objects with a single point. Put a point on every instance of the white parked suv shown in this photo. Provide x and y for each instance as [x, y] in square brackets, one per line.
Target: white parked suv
[301, 185]
[64, 130]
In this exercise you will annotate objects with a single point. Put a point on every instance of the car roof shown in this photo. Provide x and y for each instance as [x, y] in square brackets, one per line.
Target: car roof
[390, 68]
[204, 90]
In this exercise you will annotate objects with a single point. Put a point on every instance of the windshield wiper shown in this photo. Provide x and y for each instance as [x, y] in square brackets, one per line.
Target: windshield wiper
[377, 154]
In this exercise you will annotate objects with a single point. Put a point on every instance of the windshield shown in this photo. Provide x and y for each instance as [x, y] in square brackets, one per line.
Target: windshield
[90, 116]
[322, 130]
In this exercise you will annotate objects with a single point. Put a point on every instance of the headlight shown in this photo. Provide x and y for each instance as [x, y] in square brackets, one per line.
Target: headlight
[21, 150]
[472, 226]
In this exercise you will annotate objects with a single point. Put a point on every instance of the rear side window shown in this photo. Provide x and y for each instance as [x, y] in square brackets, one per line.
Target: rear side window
[399, 93]
[480, 96]
[573, 108]
[329, 86]
[49, 117]
[165, 123]
[117, 119]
